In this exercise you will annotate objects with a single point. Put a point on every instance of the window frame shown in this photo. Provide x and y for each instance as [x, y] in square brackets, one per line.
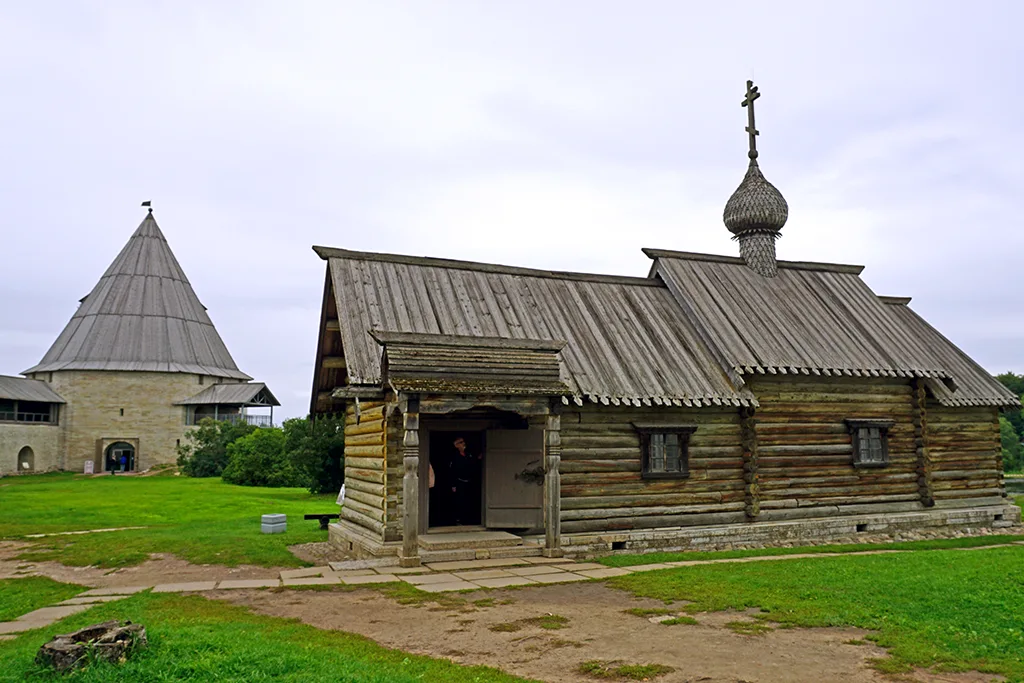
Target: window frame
[855, 425]
[683, 431]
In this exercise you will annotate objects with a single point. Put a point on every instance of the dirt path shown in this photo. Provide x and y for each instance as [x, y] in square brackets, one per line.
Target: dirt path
[596, 628]
[158, 569]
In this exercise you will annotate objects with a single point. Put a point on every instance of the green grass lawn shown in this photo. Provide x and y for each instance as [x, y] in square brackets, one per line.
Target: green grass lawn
[204, 521]
[21, 596]
[195, 639]
[954, 610]
[934, 544]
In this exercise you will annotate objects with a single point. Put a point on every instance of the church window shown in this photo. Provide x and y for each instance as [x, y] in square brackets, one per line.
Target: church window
[870, 442]
[665, 450]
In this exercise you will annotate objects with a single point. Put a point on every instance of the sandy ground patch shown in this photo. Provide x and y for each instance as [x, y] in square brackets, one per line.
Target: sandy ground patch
[597, 628]
[158, 569]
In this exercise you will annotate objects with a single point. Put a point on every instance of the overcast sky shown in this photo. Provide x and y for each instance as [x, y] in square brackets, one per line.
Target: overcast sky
[562, 135]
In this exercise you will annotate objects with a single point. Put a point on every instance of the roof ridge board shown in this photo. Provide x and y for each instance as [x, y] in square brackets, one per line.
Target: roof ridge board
[328, 253]
[430, 339]
[738, 261]
[894, 300]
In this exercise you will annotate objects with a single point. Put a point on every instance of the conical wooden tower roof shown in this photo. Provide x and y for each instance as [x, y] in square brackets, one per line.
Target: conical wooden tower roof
[144, 316]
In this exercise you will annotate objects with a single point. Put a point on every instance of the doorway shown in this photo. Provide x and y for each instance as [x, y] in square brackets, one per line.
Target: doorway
[120, 457]
[456, 499]
[26, 459]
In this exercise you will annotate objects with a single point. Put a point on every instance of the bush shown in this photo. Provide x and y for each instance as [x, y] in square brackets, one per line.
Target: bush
[258, 459]
[205, 451]
[1013, 452]
[317, 449]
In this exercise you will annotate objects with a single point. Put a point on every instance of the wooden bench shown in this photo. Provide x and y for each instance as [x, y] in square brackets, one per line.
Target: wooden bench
[324, 519]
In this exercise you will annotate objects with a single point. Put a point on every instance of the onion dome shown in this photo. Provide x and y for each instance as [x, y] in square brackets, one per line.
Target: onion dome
[756, 211]
[756, 205]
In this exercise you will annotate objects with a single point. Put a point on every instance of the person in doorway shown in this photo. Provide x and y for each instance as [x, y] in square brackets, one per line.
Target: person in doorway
[464, 472]
[124, 462]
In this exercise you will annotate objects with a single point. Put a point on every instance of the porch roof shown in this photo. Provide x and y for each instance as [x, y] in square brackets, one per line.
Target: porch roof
[235, 393]
[21, 389]
[464, 364]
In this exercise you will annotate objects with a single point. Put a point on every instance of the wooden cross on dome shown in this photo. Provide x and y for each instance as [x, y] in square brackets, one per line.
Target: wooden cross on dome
[748, 102]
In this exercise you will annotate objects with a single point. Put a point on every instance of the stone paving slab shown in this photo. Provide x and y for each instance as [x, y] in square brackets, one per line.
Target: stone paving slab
[92, 600]
[354, 572]
[304, 573]
[531, 571]
[478, 564]
[546, 560]
[448, 586]
[248, 583]
[45, 616]
[9, 627]
[312, 581]
[420, 579]
[117, 590]
[561, 577]
[372, 578]
[185, 587]
[604, 572]
[505, 582]
[404, 570]
[576, 566]
[483, 574]
[649, 567]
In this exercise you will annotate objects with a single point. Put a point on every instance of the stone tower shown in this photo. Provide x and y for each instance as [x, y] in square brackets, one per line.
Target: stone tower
[133, 359]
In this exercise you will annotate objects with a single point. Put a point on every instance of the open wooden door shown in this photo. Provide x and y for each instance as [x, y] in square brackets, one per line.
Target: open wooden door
[514, 479]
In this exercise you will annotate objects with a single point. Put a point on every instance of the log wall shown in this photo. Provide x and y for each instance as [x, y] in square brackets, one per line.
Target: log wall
[366, 475]
[805, 450]
[602, 489]
[965, 453]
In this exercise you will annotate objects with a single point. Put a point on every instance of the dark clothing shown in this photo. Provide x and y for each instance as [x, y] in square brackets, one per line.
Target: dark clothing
[464, 477]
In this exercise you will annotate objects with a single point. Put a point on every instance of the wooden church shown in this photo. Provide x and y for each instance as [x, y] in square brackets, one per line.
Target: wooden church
[501, 411]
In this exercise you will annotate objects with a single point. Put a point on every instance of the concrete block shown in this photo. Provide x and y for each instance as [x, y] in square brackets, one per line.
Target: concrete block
[483, 574]
[448, 586]
[305, 573]
[560, 577]
[533, 570]
[185, 587]
[504, 583]
[117, 590]
[249, 583]
[274, 524]
[374, 578]
[419, 579]
[605, 573]
[312, 581]
[92, 599]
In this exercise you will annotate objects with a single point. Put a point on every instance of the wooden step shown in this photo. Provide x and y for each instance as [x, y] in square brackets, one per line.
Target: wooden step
[475, 540]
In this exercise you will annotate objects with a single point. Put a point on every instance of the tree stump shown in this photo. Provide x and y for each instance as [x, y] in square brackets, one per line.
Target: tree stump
[109, 641]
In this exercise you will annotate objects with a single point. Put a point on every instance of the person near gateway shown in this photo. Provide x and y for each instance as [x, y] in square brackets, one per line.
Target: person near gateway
[464, 475]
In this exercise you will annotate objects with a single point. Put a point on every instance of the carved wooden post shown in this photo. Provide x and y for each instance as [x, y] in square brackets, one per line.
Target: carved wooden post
[553, 485]
[751, 480]
[411, 484]
[924, 460]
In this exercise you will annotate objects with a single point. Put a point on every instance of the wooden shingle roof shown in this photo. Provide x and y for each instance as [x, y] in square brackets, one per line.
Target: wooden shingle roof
[626, 340]
[142, 315]
[686, 335]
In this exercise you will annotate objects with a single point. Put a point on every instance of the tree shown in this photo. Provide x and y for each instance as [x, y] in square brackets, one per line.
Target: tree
[1014, 383]
[317, 449]
[1013, 452]
[259, 459]
[205, 451]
